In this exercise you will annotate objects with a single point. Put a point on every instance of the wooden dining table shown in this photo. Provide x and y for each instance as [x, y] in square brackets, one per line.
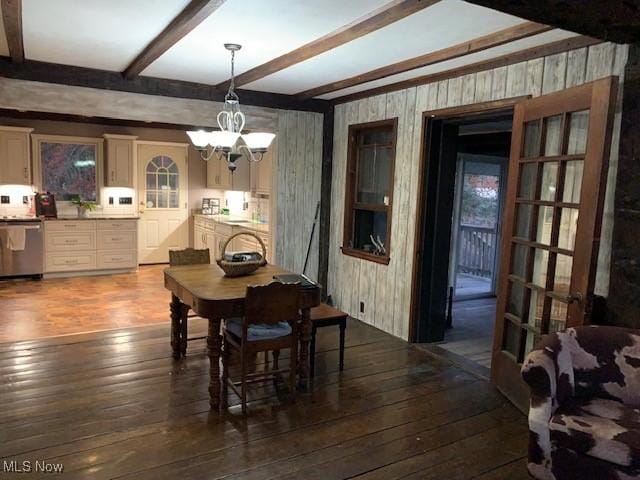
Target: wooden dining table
[211, 295]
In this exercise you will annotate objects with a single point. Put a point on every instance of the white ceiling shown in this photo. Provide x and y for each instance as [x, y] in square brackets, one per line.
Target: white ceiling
[541, 39]
[441, 25]
[103, 34]
[265, 29]
[108, 34]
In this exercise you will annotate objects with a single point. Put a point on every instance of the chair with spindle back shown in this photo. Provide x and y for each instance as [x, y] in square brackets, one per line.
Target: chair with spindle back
[270, 322]
[188, 256]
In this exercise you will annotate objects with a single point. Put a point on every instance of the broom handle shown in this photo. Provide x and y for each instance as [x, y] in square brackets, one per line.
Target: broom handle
[313, 229]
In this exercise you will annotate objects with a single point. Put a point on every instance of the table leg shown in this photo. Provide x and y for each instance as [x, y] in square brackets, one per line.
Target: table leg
[214, 342]
[305, 337]
[184, 316]
[312, 354]
[343, 326]
[176, 310]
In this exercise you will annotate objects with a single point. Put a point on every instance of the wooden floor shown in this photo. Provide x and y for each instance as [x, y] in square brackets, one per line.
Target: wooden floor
[37, 309]
[115, 405]
[472, 334]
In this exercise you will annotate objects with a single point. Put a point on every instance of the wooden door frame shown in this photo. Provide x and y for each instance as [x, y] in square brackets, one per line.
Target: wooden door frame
[496, 106]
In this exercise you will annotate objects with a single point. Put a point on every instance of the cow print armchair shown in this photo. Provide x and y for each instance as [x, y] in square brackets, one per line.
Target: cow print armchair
[584, 420]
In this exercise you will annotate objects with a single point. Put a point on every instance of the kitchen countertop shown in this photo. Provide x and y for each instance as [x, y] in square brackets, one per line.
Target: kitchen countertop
[93, 217]
[237, 222]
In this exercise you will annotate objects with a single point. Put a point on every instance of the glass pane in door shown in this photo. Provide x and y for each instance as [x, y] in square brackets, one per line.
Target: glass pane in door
[572, 181]
[531, 139]
[528, 174]
[549, 181]
[578, 129]
[553, 136]
[477, 235]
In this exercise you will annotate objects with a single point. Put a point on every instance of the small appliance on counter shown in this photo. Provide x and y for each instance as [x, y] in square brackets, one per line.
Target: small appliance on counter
[46, 205]
[210, 206]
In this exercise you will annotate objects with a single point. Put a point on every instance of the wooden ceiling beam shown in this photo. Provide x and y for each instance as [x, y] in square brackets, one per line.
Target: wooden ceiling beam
[372, 21]
[507, 35]
[188, 19]
[502, 61]
[106, 80]
[12, 19]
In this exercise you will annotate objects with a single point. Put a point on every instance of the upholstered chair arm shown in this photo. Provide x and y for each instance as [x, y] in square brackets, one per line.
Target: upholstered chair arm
[548, 370]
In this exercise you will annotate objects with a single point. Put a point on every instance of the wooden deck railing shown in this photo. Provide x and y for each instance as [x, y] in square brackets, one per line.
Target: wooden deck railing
[477, 250]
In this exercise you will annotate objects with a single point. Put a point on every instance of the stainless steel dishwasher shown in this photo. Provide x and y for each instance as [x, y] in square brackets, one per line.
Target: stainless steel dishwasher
[27, 262]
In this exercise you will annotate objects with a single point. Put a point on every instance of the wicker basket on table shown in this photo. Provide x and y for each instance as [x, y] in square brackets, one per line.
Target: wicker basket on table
[238, 269]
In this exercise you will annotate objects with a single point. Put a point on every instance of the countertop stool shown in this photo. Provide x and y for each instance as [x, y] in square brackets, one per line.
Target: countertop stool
[326, 316]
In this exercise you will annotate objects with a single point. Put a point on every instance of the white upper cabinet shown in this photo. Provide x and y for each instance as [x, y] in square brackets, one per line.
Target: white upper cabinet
[15, 156]
[120, 160]
[261, 174]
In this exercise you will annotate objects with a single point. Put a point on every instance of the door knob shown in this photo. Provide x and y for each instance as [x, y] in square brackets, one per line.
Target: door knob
[575, 297]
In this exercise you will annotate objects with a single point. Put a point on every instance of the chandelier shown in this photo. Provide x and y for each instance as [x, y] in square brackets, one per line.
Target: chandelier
[229, 142]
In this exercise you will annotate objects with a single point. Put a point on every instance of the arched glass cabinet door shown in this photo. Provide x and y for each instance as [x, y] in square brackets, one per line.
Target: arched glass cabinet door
[162, 183]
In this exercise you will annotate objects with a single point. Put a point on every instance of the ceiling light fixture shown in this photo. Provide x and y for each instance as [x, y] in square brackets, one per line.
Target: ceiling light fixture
[229, 142]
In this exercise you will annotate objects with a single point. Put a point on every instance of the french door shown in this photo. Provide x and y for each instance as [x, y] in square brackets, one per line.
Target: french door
[555, 193]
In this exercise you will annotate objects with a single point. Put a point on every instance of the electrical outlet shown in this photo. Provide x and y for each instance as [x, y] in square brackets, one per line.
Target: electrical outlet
[110, 200]
[5, 199]
[125, 200]
[361, 307]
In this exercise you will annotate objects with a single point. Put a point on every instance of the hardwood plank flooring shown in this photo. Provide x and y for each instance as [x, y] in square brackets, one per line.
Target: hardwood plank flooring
[63, 306]
[472, 334]
[115, 405]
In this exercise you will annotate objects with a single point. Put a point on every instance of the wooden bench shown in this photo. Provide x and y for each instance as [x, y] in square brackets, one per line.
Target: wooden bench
[325, 316]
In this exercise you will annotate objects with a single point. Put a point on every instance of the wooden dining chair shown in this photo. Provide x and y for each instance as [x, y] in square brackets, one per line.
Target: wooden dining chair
[269, 324]
[188, 256]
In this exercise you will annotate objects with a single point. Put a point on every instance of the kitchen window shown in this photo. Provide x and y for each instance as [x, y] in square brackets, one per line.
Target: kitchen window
[369, 190]
[69, 166]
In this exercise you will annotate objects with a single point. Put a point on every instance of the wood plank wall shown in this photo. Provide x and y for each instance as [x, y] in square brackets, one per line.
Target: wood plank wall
[297, 165]
[297, 168]
[386, 289]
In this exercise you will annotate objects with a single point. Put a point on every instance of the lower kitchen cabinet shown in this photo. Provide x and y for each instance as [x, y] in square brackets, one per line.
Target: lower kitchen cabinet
[212, 234]
[90, 246]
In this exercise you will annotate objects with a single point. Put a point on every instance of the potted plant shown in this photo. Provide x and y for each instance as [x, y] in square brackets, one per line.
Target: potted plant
[84, 207]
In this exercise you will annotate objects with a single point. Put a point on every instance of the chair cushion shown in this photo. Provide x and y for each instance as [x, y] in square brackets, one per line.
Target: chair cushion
[602, 428]
[258, 331]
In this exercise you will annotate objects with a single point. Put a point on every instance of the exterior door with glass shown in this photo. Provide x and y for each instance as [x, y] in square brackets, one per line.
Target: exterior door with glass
[555, 194]
[163, 201]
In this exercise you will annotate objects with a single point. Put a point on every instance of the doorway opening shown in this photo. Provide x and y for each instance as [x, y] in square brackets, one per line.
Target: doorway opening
[479, 190]
[465, 184]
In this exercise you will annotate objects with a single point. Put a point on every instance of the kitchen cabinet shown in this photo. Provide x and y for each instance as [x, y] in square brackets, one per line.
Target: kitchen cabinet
[15, 156]
[120, 160]
[261, 173]
[218, 175]
[94, 246]
[199, 238]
